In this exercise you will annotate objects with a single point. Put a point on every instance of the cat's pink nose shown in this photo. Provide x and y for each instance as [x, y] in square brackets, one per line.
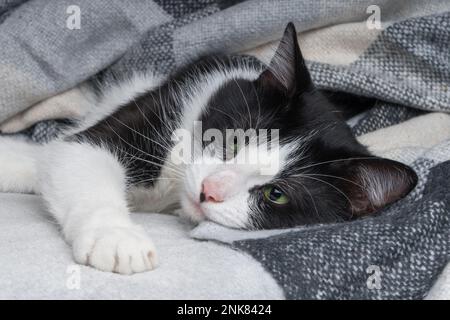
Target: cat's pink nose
[216, 187]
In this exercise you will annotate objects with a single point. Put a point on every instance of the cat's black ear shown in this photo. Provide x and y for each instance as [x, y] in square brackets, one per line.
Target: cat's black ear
[287, 70]
[372, 184]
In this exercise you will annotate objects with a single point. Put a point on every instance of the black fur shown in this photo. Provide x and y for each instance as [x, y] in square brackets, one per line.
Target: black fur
[326, 179]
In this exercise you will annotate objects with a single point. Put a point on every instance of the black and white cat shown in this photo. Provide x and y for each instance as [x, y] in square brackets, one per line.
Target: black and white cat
[125, 156]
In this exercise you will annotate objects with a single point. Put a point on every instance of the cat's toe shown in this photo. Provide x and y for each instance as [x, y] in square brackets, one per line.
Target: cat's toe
[120, 250]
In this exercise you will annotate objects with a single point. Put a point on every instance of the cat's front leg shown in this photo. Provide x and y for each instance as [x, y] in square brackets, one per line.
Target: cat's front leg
[85, 188]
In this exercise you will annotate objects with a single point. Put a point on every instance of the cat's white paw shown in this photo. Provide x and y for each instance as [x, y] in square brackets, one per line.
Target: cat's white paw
[123, 250]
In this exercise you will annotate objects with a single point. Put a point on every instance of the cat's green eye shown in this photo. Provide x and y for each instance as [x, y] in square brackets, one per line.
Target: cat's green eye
[275, 195]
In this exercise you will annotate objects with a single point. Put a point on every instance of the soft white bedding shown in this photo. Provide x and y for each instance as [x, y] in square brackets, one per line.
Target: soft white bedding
[36, 263]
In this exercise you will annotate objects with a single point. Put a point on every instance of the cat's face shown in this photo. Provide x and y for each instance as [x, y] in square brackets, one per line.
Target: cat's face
[312, 170]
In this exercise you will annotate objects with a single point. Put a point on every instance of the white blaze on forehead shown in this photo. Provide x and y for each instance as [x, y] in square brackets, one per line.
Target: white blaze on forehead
[260, 158]
[200, 90]
[263, 161]
[256, 159]
[274, 158]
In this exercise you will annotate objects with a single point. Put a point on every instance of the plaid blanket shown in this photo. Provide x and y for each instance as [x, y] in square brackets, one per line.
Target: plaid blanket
[403, 63]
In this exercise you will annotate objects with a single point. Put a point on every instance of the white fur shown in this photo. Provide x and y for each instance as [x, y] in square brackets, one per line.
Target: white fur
[85, 186]
[196, 98]
[85, 189]
[234, 211]
[18, 171]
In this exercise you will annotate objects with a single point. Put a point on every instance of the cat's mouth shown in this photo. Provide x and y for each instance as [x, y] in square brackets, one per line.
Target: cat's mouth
[195, 209]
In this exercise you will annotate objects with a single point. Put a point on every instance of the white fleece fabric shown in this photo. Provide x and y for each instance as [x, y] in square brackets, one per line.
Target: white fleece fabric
[36, 263]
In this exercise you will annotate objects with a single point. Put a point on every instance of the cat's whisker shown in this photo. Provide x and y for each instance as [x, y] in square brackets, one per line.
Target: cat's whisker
[174, 170]
[332, 176]
[331, 185]
[336, 160]
[226, 114]
[176, 173]
[133, 157]
[140, 134]
[158, 179]
[149, 123]
[146, 172]
[246, 102]
[141, 151]
[312, 199]
[162, 109]
[258, 120]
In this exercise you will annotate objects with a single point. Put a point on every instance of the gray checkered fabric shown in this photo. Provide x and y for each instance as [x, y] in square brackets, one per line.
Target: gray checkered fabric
[155, 51]
[409, 243]
[407, 64]
[382, 115]
[406, 68]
